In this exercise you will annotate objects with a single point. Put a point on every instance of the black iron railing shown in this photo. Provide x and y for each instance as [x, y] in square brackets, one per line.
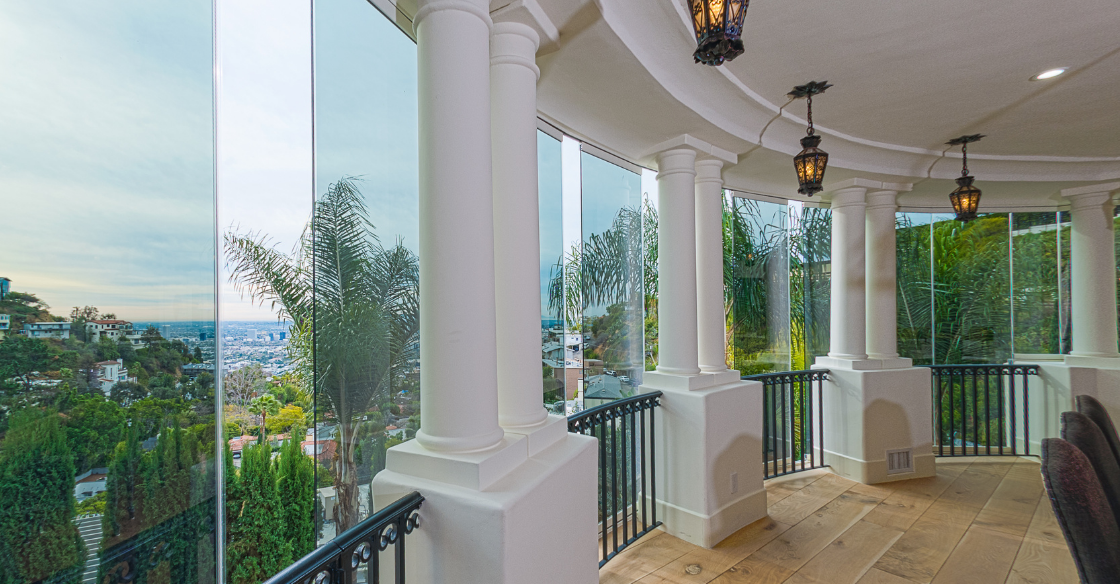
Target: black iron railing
[627, 480]
[792, 421]
[341, 560]
[977, 409]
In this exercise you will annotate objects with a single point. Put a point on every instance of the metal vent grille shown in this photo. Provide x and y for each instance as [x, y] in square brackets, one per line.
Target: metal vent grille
[899, 461]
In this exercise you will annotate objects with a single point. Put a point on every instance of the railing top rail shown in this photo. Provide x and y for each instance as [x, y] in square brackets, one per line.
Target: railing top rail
[802, 375]
[643, 401]
[989, 368]
[320, 559]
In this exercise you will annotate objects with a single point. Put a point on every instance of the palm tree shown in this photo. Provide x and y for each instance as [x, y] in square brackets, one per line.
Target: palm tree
[354, 306]
[263, 406]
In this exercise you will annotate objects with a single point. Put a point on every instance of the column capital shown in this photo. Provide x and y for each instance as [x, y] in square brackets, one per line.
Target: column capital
[1090, 196]
[709, 170]
[678, 160]
[513, 43]
[882, 200]
[849, 197]
[530, 13]
[479, 8]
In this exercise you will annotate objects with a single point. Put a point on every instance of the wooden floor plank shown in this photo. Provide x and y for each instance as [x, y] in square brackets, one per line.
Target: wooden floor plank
[797, 545]
[875, 576]
[983, 556]
[921, 551]
[911, 498]
[753, 571]
[1043, 563]
[1013, 503]
[1044, 525]
[701, 566]
[849, 556]
[803, 503]
[636, 562]
[976, 484]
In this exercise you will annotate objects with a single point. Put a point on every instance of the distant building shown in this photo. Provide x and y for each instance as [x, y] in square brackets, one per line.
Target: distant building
[90, 483]
[110, 373]
[322, 450]
[5, 324]
[46, 330]
[283, 335]
[165, 331]
[192, 370]
[5, 286]
[204, 335]
[114, 329]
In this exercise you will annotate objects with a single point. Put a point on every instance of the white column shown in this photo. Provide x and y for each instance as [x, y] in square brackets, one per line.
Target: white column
[458, 347]
[710, 317]
[1093, 278]
[881, 303]
[847, 333]
[513, 120]
[676, 262]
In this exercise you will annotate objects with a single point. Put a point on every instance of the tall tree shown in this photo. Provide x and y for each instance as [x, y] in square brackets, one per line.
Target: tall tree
[357, 324]
[257, 547]
[297, 496]
[20, 355]
[122, 484]
[37, 500]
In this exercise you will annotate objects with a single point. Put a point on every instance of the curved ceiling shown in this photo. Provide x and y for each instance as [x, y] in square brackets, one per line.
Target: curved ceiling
[908, 75]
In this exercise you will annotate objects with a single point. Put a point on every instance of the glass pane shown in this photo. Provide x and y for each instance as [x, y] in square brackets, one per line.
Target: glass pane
[760, 316]
[1034, 271]
[915, 289]
[972, 288]
[107, 389]
[551, 203]
[810, 265]
[366, 225]
[611, 277]
[1065, 292]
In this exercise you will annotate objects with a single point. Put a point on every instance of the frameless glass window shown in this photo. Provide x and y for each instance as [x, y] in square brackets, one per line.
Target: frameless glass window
[107, 294]
[1035, 284]
[810, 262]
[915, 287]
[760, 278]
[611, 274]
[551, 204]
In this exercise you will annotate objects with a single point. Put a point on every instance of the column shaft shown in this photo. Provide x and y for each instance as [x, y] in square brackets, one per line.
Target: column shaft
[882, 299]
[676, 263]
[848, 333]
[513, 99]
[711, 320]
[458, 354]
[1093, 278]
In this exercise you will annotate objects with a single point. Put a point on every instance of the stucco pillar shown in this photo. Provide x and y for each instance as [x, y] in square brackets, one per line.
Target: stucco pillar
[848, 338]
[711, 320]
[458, 346]
[882, 290]
[676, 262]
[1093, 278]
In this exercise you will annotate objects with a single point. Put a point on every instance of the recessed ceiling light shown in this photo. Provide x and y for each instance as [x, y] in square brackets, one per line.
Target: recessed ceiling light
[1049, 74]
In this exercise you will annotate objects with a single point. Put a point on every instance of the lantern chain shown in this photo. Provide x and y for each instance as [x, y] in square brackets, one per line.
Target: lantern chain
[964, 159]
[810, 116]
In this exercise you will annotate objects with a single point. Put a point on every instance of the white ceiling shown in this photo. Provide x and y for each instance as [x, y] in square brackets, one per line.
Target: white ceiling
[908, 75]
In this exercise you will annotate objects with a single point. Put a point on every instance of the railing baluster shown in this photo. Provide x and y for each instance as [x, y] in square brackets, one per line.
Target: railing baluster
[809, 423]
[603, 481]
[645, 498]
[1026, 414]
[987, 415]
[614, 481]
[1014, 434]
[1000, 418]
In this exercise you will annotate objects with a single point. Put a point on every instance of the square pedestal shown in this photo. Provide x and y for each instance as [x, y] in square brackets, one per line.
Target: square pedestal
[709, 455]
[538, 523]
[868, 412]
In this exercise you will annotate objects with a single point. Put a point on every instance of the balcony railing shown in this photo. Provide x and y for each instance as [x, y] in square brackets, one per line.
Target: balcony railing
[977, 409]
[627, 478]
[792, 421]
[341, 560]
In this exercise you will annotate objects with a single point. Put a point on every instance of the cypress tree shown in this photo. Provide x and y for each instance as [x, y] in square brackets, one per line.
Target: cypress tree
[37, 501]
[257, 547]
[122, 483]
[297, 496]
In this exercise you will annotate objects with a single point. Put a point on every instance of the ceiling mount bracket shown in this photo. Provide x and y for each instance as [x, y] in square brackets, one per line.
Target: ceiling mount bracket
[965, 140]
[809, 89]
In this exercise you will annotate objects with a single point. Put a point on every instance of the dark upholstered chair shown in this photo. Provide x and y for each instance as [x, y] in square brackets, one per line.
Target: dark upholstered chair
[1082, 432]
[1082, 511]
[1089, 406]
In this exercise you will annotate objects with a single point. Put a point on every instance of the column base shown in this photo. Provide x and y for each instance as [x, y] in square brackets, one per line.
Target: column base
[541, 436]
[709, 455]
[512, 531]
[868, 364]
[870, 412]
[472, 470]
[1096, 361]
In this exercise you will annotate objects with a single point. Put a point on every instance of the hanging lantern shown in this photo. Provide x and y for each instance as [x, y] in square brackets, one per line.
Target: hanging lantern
[719, 29]
[811, 162]
[966, 199]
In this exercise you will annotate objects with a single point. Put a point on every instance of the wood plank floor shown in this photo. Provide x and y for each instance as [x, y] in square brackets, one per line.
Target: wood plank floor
[981, 520]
